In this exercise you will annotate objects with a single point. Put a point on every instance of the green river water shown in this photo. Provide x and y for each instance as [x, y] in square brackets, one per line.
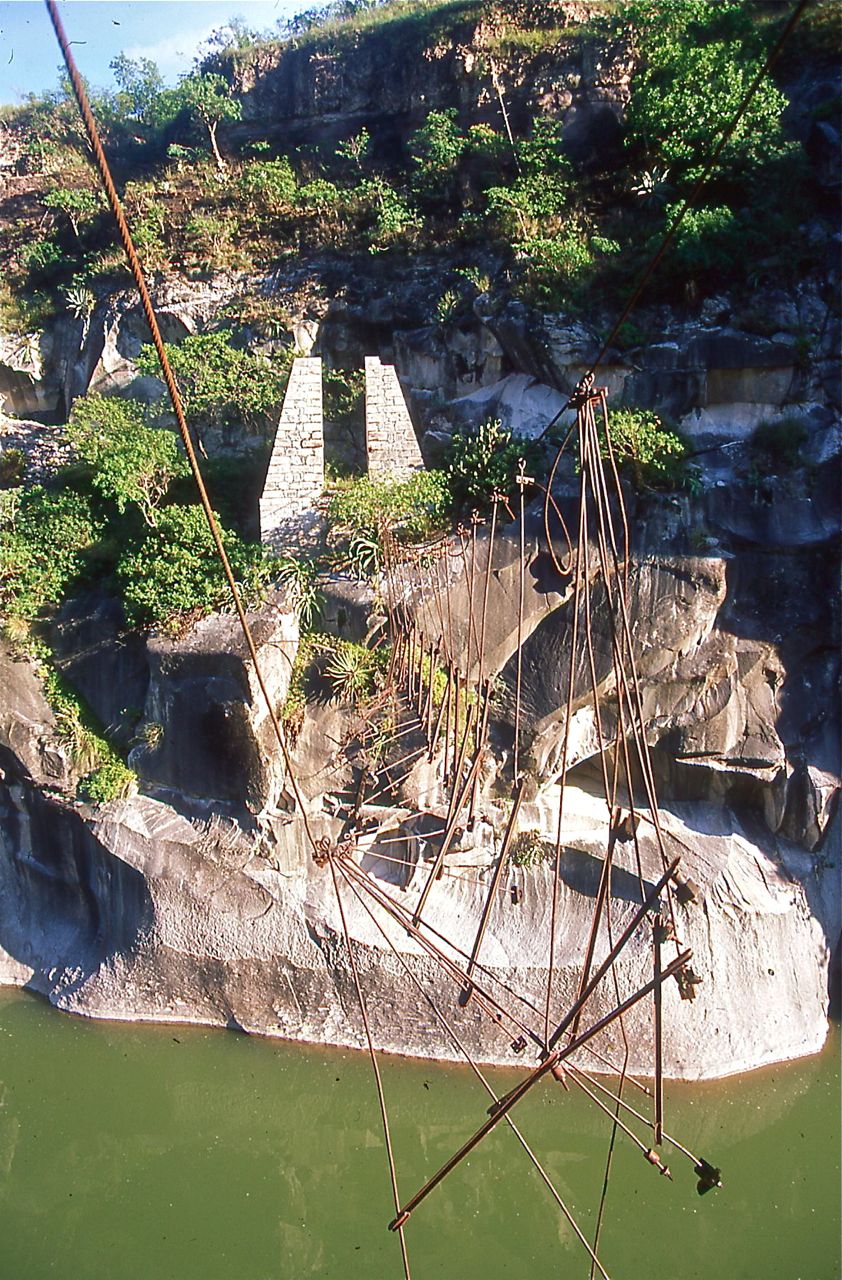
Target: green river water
[150, 1153]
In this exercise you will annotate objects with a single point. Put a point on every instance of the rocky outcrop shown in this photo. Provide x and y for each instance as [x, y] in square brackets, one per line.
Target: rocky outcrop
[161, 908]
[140, 913]
[327, 88]
[205, 733]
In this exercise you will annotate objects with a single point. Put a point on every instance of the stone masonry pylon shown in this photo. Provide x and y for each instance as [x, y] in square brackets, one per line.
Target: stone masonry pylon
[390, 440]
[296, 475]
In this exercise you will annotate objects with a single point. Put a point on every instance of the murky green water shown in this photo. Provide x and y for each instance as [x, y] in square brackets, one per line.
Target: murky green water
[132, 1153]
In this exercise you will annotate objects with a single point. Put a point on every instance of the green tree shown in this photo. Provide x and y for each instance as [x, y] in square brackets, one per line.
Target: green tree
[436, 149]
[268, 184]
[698, 60]
[132, 462]
[207, 97]
[140, 85]
[220, 383]
[79, 204]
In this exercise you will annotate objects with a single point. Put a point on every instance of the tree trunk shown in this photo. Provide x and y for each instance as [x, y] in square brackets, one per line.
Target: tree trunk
[220, 163]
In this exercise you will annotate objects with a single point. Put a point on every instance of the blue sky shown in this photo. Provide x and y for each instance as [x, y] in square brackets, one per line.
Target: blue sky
[167, 31]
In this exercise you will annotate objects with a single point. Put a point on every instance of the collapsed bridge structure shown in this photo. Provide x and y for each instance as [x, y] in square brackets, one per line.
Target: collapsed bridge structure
[614, 987]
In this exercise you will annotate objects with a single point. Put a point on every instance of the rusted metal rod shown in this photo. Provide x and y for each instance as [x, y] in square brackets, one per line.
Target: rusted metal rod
[444, 849]
[485, 1000]
[493, 888]
[505, 1105]
[659, 1046]
[600, 973]
[597, 1084]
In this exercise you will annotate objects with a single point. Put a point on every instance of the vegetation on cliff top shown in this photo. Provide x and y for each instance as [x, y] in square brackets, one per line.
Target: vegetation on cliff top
[497, 197]
[460, 185]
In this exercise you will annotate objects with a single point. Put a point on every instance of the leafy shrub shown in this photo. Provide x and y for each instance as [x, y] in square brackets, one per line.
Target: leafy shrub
[42, 258]
[413, 509]
[44, 538]
[436, 149]
[148, 235]
[708, 240]
[79, 204]
[320, 195]
[344, 396]
[394, 216]
[112, 780]
[530, 849]
[210, 237]
[654, 455]
[12, 467]
[300, 577]
[555, 268]
[699, 57]
[220, 383]
[483, 462]
[779, 444]
[268, 184]
[132, 463]
[173, 575]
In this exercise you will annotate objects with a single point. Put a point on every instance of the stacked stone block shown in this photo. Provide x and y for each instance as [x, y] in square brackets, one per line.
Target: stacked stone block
[295, 479]
[390, 440]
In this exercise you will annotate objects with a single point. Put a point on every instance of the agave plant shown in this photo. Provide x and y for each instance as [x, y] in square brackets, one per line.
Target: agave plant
[350, 672]
[300, 578]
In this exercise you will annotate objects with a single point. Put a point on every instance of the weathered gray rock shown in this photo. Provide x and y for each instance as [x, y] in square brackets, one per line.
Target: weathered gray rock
[206, 733]
[142, 914]
[29, 742]
[105, 661]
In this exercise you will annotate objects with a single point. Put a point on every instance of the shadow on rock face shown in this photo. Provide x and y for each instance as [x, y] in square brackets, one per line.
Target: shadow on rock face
[581, 872]
[69, 905]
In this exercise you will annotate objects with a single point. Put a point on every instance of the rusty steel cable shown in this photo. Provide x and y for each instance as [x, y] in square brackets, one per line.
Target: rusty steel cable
[568, 714]
[552, 1060]
[104, 171]
[450, 1031]
[381, 1097]
[494, 1010]
[521, 480]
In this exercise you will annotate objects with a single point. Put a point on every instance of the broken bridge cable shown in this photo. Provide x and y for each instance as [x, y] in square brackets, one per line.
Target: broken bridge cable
[490, 1005]
[690, 200]
[381, 1097]
[626, 1106]
[577, 587]
[450, 1031]
[630, 684]
[615, 1116]
[104, 171]
[550, 1062]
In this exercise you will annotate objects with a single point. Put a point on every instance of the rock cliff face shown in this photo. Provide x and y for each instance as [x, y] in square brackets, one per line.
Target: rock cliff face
[176, 905]
[324, 91]
[198, 899]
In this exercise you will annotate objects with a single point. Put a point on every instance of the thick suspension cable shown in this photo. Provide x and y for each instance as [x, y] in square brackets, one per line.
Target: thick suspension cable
[104, 171]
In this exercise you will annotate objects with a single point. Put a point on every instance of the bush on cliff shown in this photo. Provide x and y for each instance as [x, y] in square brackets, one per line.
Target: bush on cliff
[172, 575]
[483, 462]
[133, 463]
[45, 540]
[361, 509]
[221, 383]
[644, 447]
